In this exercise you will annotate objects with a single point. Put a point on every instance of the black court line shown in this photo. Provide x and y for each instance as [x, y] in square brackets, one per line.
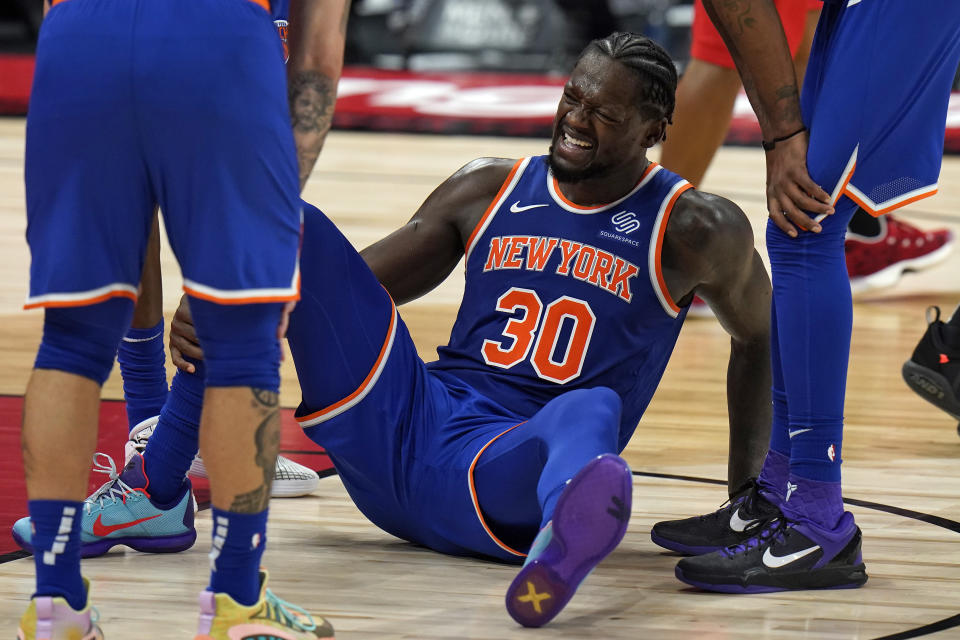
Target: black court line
[950, 525]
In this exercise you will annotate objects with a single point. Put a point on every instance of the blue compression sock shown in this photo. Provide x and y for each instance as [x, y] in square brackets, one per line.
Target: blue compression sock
[56, 545]
[141, 361]
[176, 439]
[239, 540]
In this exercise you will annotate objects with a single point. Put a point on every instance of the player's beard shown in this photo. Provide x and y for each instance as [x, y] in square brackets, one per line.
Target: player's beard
[569, 176]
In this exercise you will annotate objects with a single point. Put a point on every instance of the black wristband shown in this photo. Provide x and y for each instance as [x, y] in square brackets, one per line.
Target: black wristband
[768, 146]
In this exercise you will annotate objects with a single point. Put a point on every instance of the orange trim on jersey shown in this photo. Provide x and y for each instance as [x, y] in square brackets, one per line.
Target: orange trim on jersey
[660, 236]
[476, 501]
[366, 382]
[493, 204]
[51, 304]
[843, 187]
[556, 189]
[251, 300]
[876, 213]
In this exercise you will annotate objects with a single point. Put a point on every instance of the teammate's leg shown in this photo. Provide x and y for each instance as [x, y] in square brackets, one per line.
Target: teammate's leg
[140, 356]
[228, 187]
[87, 226]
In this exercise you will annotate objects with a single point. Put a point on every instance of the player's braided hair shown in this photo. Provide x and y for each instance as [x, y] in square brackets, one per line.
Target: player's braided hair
[651, 63]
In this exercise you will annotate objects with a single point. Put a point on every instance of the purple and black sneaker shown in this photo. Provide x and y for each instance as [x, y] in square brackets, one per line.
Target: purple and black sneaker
[736, 521]
[784, 555]
[588, 523]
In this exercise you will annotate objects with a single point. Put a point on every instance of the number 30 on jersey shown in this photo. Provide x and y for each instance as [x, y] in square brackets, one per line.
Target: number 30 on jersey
[525, 334]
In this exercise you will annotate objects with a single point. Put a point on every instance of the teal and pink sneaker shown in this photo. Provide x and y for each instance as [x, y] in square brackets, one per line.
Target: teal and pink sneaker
[121, 512]
[588, 523]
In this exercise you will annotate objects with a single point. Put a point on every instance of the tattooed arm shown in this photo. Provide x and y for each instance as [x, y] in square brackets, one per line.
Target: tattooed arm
[754, 35]
[316, 38]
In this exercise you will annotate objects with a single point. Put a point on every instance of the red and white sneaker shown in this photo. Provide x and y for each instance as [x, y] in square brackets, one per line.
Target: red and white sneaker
[876, 262]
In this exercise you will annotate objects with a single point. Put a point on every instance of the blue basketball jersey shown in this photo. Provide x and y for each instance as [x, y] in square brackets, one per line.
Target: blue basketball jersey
[560, 296]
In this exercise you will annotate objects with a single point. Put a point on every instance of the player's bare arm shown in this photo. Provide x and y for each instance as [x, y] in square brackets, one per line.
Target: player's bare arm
[419, 255]
[318, 30]
[709, 250]
[754, 35]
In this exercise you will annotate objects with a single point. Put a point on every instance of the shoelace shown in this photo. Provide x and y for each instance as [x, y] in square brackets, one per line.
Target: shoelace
[111, 489]
[740, 497]
[773, 527]
[294, 616]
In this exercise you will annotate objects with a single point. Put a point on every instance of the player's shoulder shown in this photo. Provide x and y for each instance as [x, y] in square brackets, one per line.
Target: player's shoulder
[701, 218]
[705, 232]
[485, 173]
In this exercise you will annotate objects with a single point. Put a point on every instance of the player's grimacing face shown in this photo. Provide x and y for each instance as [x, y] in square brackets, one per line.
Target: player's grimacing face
[598, 126]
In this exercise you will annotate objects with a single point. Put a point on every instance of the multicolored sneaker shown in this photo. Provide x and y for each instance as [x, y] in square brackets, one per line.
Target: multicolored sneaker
[290, 479]
[52, 618]
[933, 371]
[734, 522]
[121, 512]
[879, 261]
[221, 618]
[785, 555]
[588, 522]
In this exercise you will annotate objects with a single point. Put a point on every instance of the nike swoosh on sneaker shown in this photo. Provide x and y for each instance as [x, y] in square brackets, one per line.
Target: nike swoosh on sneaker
[799, 431]
[738, 524]
[100, 529]
[516, 208]
[775, 562]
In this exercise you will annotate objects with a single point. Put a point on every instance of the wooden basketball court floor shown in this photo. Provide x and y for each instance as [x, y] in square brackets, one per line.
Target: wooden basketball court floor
[902, 471]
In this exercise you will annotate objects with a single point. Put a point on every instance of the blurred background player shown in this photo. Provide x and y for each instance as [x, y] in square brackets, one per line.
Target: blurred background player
[878, 250]
[91, 165]
[874, 110]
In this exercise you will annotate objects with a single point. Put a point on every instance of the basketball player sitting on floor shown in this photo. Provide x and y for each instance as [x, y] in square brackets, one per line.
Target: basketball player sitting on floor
[579, 268]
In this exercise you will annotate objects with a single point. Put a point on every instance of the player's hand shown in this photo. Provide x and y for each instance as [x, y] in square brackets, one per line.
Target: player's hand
[791, 190]
[183, 339]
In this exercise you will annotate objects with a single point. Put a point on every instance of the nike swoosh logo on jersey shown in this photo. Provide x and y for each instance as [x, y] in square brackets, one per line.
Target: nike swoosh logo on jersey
[799, 431]
[738, 524]
[775, 562]
[516, 208]
[100, 529]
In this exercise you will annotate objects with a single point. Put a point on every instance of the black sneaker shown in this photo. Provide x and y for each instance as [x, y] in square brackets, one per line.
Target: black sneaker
[784, 555]
[735, 521]
[933, 371]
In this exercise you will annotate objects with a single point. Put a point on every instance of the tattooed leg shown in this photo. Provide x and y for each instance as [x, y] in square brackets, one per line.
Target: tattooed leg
[239, 440]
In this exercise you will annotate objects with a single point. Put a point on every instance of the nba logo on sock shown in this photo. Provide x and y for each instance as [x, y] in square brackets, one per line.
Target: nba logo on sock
[831, 453]
[282, 26]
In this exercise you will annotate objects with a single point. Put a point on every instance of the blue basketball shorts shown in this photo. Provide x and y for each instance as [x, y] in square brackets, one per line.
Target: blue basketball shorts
[180, 103]
[875, 98]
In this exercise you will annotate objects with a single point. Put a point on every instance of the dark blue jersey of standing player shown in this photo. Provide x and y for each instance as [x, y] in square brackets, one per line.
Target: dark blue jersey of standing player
[560, 296]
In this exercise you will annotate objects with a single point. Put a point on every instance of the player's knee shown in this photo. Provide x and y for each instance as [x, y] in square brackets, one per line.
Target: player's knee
[598, 406]
[83, 340]
[239, 342]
